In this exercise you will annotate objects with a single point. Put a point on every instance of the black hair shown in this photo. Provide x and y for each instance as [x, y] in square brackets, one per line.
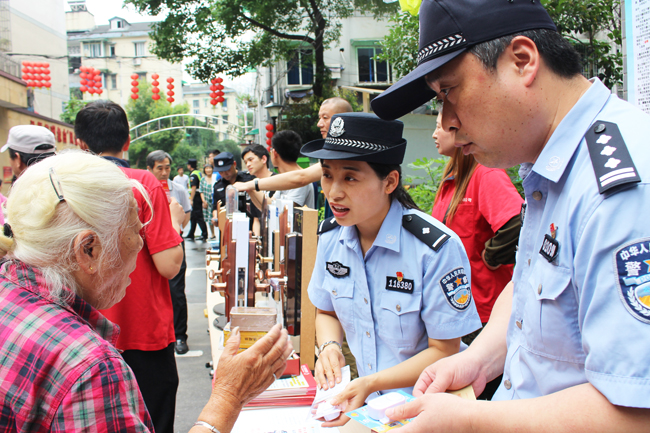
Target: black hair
[558, 53]
[157, 155]
[103, 126]
[192, 164]
[257, 150]
[399, 193]
[30, 158]
[287, 144]
[215, 152]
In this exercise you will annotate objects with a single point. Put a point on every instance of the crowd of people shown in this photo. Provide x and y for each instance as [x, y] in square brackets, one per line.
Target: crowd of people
[523, 299]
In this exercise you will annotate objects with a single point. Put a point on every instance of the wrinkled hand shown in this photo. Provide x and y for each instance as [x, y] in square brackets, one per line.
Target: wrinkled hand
[353, 397]
[245, 186]
[243, 376]
[328, 367]
[177, 212]
[451, 373]
[435, 413]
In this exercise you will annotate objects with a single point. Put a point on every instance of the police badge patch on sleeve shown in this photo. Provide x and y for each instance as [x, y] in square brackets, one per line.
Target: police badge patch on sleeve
[455, 286]
[633, 272]
[337, 269]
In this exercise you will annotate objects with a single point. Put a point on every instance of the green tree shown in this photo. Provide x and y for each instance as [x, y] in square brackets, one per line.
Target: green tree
[216, 33]
[591, 25]
[144, 109]
[72, 107]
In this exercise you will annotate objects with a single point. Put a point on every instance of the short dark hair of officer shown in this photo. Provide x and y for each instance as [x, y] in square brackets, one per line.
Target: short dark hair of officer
[259, 151]
[103, 126]
[191, 164]
[287, 145]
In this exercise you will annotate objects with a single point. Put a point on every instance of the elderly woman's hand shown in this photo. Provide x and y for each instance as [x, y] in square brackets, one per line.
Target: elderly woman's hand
[243, 376]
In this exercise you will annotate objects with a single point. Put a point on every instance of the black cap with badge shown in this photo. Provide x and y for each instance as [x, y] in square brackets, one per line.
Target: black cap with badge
[224, 161]
[448, 28]
[360, 137]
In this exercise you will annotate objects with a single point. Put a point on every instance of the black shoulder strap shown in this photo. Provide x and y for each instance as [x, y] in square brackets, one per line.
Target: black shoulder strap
[425, 231]
[327, 225]
[610, 158]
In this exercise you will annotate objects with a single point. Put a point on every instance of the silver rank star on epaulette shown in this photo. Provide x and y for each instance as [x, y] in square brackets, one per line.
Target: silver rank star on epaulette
[610, 157]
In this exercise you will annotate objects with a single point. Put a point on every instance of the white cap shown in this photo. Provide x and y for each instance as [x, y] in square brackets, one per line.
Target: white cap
[26, 138]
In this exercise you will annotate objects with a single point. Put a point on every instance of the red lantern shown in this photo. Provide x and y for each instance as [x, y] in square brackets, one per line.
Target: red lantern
[269, 127]
[268, 141]
[170, 80]
[269, 134]
[45, 65]
[83, 89]
[155, 83]
[170, 100]
[155, 90]
[99, 91]
[219, 80]
[213, 95]
[213, 88]
[170, 86]
[134, 96]
[170, 93]
[213, 81]
[213, 102]
[155, 77]
[135, 83]
[134, 76]
[219, 86]
[220, 99]
[91, 90]
[155, 96]
[134, 90]
[98, 78]
[154, 87]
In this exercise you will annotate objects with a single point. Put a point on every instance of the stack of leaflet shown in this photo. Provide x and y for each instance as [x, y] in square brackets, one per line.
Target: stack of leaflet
[294, 391]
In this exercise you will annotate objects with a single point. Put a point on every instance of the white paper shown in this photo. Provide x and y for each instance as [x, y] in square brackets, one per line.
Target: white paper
[286, 419]
[322, 395]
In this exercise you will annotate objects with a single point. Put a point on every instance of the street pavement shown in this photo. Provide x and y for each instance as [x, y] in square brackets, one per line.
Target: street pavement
[195, 382]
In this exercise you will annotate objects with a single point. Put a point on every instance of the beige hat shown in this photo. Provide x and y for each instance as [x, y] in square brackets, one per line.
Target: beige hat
[31, 139]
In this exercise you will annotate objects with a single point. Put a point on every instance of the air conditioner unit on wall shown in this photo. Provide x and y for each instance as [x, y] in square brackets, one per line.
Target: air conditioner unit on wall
[137, 61]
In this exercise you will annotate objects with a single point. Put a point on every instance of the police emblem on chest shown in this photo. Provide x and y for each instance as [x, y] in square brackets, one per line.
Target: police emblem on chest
[399, 284]
[337, 269]
[633, 278]
[550, 248]
[455, 287]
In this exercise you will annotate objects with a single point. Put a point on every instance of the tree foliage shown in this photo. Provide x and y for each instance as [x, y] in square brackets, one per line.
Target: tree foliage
[72, 107]
[144, 109]
[231, 36]
[591, 25]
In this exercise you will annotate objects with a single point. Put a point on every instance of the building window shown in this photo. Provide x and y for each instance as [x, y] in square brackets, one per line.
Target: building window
[224, 120]
[300, 69]
[196, 111]
[139, 49]
[142, 76]
[74, 51]
[195, 103]
[225, 136]
[112, 50]
[205, 102]
[74, 63]
[224, 105]
[113, 81]
[370, 69]
[93, 49]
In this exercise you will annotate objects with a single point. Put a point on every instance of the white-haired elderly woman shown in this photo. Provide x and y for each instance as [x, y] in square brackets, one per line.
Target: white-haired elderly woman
[71, 242]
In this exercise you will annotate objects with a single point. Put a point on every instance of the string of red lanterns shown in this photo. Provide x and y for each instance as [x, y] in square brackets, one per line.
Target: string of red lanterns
[269, 135]
[154, 87]
[217, 91]
[135, 89]
[170, 92]
[91, 80]
[36, 74]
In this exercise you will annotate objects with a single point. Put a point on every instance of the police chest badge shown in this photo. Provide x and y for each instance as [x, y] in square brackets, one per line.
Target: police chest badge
[455, 286]
[550, 246]
[337, 269]
[336, 129]
[633, 278]
[399, 283]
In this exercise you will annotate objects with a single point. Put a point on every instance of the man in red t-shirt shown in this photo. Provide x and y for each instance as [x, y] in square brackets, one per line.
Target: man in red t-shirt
[145, 315]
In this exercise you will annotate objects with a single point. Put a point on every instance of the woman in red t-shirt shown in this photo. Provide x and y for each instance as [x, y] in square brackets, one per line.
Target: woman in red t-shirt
[482, 206]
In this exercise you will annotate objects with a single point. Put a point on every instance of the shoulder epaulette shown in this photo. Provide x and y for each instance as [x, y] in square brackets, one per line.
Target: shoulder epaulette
[425, 231]
[610, 158]
[327, 225]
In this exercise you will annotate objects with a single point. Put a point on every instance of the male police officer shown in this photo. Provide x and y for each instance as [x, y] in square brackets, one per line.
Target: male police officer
[571, 335]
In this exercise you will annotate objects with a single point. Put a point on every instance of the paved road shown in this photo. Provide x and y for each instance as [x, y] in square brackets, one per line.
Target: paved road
[195, 381]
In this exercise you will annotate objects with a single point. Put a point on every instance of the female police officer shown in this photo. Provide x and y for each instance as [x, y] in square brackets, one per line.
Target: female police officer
[392, 278]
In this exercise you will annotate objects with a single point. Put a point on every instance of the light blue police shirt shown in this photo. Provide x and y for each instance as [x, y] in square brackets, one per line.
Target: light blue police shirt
[390, 302]
[583, 317]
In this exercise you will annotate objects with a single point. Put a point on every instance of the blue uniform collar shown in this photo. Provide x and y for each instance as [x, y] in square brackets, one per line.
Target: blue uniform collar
[389, 234]
[554, 158]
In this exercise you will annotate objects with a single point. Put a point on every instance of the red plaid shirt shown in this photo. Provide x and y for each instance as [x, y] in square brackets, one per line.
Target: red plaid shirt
[59, 369]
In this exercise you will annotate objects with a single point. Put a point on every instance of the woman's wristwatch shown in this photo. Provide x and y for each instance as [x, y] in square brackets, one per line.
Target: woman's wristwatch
[324, 345]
